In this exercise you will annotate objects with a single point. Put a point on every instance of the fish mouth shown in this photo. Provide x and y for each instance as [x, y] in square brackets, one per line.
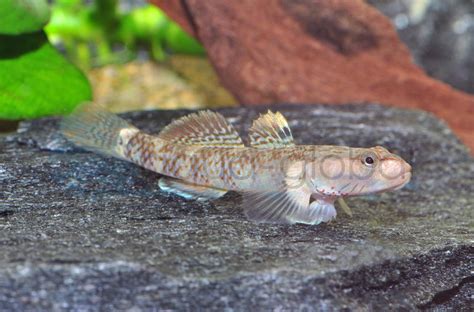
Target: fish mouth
[396, 187]
[406, 179]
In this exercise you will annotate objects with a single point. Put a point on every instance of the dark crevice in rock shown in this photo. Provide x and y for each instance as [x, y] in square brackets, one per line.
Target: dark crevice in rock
[409, 275]
[447, 295]
[4, 214]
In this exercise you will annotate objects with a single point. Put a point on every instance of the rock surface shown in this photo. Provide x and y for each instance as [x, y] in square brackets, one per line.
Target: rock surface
[83, 232]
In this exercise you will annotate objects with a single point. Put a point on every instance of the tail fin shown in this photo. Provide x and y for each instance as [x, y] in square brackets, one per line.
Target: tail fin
[92, 127]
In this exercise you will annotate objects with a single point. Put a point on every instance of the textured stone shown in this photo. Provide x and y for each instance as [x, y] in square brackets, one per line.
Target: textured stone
[82, 232]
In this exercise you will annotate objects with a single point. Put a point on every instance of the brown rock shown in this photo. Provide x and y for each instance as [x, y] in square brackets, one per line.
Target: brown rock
[316, 51]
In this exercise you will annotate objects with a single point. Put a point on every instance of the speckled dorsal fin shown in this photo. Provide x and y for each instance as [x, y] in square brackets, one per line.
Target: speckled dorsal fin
[203, 128]
[270, 130]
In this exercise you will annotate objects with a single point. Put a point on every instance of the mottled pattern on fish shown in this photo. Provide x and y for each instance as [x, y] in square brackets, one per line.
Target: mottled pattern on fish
[229, 168]
[203, 157]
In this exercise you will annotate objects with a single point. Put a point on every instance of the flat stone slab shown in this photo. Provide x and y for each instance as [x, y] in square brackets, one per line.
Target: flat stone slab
[83, 232]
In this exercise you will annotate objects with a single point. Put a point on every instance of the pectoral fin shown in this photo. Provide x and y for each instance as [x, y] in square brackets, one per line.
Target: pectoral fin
[189, 190]
[288, 207]
[288, 201]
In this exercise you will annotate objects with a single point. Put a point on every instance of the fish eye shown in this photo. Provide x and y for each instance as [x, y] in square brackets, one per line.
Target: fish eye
[368, 160]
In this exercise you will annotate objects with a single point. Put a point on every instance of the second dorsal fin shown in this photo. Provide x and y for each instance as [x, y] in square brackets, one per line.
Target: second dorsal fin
[203, 128]
[270, 130]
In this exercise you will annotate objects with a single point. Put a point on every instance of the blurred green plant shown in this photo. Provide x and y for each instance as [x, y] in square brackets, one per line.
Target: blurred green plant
[97, 33]
[35, 79]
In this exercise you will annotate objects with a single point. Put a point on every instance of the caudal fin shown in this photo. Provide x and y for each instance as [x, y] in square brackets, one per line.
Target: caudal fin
[92, 127]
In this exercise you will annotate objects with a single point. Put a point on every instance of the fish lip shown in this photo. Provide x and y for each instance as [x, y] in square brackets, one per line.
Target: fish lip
[401, 185]
[396, 187]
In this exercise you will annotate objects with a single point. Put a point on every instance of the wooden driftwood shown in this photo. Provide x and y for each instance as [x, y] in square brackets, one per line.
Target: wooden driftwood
[316, 51]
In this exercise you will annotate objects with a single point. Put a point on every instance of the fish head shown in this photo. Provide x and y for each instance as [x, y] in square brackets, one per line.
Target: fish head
[379, 170]
[357, 171]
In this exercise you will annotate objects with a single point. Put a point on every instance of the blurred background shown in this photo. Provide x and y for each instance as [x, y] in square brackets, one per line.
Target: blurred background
[134, 55]
[440, 35]
[137, 58]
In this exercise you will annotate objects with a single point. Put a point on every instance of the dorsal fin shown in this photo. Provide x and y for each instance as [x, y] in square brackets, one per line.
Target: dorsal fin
[270, 130]
[203, 128]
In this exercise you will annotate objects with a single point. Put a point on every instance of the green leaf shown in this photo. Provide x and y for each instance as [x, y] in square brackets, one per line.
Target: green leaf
[36, 80]
[23, 16]
[179, 41]
[146, 22]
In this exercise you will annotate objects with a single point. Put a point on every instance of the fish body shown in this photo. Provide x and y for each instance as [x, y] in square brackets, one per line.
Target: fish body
[203, 157]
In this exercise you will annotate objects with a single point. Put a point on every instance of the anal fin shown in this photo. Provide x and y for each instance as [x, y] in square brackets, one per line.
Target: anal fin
[189, 190]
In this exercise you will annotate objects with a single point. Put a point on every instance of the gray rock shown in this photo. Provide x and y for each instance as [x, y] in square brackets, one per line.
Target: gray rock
[440, 34]
[82, 232]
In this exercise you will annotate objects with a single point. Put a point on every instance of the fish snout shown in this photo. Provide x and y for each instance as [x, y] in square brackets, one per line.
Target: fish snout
[407, 171]
[404, 176]
[394, 168]
[407, 167]
[396, 172]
